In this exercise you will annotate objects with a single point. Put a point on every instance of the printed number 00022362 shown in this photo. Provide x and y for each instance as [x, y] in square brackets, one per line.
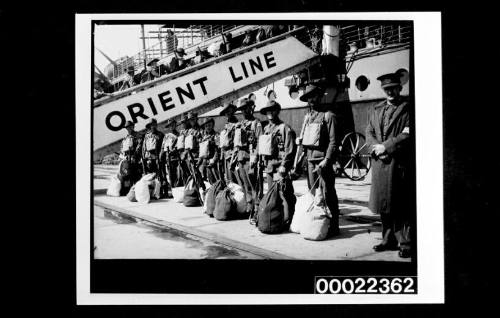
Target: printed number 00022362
[365, 285]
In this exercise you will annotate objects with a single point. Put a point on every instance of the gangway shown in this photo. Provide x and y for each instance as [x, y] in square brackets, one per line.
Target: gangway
[201, 87]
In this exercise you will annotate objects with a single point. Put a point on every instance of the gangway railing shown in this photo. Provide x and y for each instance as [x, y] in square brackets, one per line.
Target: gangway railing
[284, 55]
[200, 34]
[194, 68]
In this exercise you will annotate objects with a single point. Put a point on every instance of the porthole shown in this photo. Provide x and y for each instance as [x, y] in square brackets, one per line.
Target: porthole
[362, 83]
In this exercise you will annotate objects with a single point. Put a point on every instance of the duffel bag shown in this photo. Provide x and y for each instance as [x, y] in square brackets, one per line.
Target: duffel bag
[131, 194]
[211, 196]
[225, 207]
[239, 197]
[114, 187]
[277, 207]
[191, 195]
[178, 194]
[304, 203]
[316, 220]
[142, 193]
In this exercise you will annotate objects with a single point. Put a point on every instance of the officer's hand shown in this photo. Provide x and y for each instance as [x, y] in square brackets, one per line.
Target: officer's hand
[379, 149]
[298, 141]
[282, 170]
[211, 162]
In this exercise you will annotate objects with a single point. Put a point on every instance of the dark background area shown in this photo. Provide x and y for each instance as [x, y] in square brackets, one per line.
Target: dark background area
[40, 38]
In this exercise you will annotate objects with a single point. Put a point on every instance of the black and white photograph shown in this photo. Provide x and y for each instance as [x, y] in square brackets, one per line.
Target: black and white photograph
[243, 141]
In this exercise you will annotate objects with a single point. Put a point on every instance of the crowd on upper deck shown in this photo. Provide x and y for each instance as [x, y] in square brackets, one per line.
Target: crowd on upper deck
[181, 60]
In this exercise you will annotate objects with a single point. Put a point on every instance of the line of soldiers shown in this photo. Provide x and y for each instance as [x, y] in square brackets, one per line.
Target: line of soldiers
[239, 154]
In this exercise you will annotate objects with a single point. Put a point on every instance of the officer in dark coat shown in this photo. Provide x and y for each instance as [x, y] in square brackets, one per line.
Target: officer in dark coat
[321, 155]
[388, 138]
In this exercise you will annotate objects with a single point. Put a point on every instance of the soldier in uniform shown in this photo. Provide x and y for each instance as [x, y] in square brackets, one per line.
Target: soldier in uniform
[282, 152]
[388, 136]
[228, 160]
[130, 153]
[209, 155]
[168, 154]
[195, 131]
[183, 169]
[129, 81]
[319, 139]
[151, 148]
[247, 151]
[152, 71]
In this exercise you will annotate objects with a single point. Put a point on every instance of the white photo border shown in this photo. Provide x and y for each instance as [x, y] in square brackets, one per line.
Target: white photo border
[429, 159]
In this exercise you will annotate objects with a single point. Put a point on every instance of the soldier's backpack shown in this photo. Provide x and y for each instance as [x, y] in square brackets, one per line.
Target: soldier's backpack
[180, 142]
[191, 193]
[268, 144]
[170, 139]
[312, 131]
[224, 141]
[211, 196]
[127, 144]
[242, 135]
[191, 142]
[276, 208]
[225, 207]
[151, 143]
[204, 149]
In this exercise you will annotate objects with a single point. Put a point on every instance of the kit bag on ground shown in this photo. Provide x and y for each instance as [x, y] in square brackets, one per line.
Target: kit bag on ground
[114, 187]
[191, 193]
[316, 221]
[131, 194]
[277, 207]
[225, 206]
[142, 193]
[211, 196]
[239, 197]
[178, 194]
[304, 203]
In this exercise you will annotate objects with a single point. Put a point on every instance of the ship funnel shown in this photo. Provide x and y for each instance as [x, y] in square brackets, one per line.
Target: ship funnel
[331, 40]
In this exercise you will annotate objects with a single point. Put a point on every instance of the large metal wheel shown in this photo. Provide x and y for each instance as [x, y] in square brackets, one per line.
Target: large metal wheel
[354, 156]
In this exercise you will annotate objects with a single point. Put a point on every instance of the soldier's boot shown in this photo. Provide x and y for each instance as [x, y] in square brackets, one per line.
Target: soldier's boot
[334, 229]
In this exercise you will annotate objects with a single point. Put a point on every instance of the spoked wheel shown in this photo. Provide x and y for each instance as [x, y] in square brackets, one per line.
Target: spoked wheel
[354, 156]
